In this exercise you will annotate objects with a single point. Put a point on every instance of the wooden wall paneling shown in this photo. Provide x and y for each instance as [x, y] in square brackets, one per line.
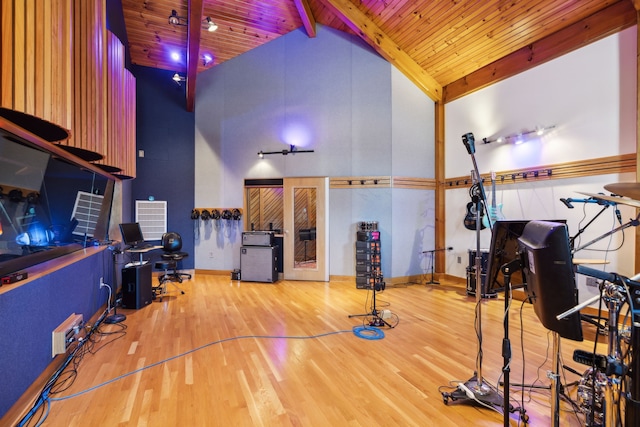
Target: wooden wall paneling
[43, 108]
[115, 85]
[30, 27]
[62, 104]
[39, 70]
[128, 145]
[6, 54]
[18, 56]
[36, 39]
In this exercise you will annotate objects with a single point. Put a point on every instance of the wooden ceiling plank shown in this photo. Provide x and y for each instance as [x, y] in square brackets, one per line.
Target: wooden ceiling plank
[455, 64]
[309, 22]
[453, 67]
[372, 34]
[476, 30]
[603, 23]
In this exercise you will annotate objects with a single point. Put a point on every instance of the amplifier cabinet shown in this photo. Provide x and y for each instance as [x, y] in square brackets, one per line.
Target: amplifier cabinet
[258, 238]
[136, 286]
[259, 264]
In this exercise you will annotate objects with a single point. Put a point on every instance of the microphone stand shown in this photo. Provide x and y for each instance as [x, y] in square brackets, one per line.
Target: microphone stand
[475, 389]
[432, 252]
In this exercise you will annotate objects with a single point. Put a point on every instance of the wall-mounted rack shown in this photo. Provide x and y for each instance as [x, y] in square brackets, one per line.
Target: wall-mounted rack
[603, 166]
[217, 213]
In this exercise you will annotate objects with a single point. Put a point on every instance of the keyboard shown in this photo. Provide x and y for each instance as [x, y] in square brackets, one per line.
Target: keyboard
[142, 246]
[135, 263]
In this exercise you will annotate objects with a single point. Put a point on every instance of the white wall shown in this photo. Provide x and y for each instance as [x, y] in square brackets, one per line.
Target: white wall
[589, 96]
[335, 95]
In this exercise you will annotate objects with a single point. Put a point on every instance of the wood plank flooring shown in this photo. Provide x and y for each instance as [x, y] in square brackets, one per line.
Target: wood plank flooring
[230, 353]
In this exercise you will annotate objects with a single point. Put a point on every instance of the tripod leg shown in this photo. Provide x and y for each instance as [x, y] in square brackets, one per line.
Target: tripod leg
[432, 281]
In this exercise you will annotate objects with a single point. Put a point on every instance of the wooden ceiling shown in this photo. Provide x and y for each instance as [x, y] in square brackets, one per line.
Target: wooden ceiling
[446, 47]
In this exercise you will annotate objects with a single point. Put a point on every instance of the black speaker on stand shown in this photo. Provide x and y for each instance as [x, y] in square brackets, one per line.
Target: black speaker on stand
[136, 286]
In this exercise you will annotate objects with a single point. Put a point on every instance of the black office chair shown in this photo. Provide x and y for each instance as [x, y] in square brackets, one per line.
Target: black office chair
[172, 247]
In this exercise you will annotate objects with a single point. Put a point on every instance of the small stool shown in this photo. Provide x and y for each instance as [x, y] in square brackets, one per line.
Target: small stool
[165, 277]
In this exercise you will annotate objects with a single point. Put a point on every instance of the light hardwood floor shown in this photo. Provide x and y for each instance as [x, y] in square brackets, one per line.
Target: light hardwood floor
[230, 353]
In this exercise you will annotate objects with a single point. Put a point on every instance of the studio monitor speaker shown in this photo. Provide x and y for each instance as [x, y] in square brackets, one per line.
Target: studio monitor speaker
[136, 286]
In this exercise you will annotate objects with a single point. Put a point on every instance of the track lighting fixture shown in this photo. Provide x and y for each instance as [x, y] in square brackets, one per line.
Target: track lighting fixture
[520, 137]
[292, 150]
[211, 26]
[174, 19]
[207, 23]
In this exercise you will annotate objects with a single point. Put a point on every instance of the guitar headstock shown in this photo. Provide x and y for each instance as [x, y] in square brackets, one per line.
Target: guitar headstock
[469, 142]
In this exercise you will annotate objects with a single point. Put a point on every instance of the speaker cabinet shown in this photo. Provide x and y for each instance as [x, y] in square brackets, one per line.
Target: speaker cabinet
[259, 264]
[136, 286]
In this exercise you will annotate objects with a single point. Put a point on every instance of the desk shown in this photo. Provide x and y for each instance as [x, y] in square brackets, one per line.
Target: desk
[142, 251]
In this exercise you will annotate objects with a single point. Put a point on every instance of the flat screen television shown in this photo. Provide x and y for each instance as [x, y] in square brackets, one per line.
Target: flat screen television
[131, 233]
[551, 285]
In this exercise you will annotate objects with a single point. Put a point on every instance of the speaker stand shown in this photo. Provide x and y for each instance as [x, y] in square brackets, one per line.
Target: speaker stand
[115, 317]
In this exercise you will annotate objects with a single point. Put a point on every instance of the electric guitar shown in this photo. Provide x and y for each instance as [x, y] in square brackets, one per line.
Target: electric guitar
[494, 212]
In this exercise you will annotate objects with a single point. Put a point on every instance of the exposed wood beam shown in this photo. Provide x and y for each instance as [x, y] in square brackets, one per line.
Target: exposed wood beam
[193, 49]
[607, 21]
[382, 43]
[306, 16]
[440, 199]
[636, 5]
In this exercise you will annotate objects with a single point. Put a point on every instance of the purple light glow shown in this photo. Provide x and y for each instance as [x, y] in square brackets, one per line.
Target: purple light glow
[296, 133]
[175, 56]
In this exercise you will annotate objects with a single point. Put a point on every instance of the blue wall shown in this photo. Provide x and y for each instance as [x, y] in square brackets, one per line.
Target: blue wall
[165, 131]
[29, 314]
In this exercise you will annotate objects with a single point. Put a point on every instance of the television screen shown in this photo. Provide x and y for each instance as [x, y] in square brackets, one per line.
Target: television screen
[131, 233]
[551, 285]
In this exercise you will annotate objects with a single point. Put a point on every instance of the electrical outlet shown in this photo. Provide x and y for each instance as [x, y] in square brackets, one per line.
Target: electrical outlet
[210, 254]
[65, 333]
[592, 282]
[102, 284]
[459, 260]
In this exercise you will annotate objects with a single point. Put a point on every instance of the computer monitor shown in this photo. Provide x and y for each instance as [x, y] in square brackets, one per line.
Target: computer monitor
[551, 285]
[131, 233]
[504, 249]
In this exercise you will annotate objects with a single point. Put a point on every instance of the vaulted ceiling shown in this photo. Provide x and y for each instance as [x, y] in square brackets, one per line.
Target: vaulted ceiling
[446, 47]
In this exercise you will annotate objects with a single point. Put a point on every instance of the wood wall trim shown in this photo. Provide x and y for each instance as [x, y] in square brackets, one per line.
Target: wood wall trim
[360, 182]
[624, 163]
[412, 183]
[607, 21]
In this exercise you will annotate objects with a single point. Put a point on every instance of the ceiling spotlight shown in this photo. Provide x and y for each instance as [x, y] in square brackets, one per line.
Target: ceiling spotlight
[178, 78]
[174, 19]
[207, 59]
[211, 26]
